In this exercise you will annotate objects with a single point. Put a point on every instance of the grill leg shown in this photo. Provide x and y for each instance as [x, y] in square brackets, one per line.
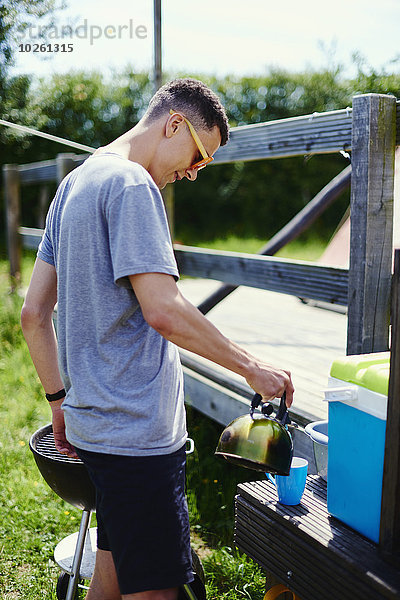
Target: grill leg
[76, 563]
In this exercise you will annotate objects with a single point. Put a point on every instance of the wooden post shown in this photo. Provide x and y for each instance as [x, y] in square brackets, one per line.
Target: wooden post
[65, 164]
[43, 206]
[389, 539]
[372, 183]
[168, 192]
[13, 201]
[157, 72]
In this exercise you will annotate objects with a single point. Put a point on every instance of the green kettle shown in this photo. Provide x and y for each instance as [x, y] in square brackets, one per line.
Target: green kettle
[258, 441]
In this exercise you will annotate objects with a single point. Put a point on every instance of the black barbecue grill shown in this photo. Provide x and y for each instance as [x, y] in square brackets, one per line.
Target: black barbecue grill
[69, 479]
[66, 476]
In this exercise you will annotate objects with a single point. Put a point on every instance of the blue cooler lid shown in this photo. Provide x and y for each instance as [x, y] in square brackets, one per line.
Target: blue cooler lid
[367, 370]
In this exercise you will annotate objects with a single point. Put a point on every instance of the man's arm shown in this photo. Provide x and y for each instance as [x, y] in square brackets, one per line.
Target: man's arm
[175, 318]
[38, 330]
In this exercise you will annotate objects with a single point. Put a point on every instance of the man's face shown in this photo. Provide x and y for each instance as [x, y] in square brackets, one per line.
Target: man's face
[179, 151]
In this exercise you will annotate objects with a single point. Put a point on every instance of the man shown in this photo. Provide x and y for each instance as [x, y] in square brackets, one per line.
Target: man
[106, 257]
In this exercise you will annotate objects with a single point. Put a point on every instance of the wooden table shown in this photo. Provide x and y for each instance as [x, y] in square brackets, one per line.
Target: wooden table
[314, 554]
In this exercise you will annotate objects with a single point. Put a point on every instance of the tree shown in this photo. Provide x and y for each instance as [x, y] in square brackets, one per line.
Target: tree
[15, 17]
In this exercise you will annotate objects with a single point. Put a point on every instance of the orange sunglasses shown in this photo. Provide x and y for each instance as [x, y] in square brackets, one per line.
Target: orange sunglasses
[206, 159]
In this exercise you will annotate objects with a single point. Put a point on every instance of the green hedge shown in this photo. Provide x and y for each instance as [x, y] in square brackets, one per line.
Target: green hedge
[243, 199]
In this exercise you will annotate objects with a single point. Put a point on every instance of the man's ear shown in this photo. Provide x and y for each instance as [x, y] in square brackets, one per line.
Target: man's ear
[172, 124]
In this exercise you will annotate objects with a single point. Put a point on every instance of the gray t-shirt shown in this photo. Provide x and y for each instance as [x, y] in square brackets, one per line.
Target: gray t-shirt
[123, 379]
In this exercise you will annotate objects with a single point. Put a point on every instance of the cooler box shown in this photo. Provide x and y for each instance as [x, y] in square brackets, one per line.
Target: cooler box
[357, 395]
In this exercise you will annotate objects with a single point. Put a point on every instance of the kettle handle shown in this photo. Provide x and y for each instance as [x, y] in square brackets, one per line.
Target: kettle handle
[255, 401]
[282, 414]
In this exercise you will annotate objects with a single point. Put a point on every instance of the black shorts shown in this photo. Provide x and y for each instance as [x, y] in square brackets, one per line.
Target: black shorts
[142, 518]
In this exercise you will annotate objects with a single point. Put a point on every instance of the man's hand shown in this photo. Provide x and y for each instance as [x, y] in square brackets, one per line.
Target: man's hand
[270, 382]
[60, 441]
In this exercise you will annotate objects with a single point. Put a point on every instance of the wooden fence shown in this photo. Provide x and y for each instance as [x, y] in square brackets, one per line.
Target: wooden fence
[371, 131]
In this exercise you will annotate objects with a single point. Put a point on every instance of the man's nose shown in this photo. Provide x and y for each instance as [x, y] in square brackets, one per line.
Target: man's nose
[191, 174]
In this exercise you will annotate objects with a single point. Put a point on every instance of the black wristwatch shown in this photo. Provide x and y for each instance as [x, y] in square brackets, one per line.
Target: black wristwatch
[57, 396]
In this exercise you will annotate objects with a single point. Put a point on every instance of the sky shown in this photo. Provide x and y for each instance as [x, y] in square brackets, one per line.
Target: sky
[241, 37]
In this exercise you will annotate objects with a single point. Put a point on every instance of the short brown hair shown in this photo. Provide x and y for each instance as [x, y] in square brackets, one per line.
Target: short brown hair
[195, 100]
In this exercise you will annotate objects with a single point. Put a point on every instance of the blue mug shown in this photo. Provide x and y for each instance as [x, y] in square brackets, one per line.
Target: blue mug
[290, 487]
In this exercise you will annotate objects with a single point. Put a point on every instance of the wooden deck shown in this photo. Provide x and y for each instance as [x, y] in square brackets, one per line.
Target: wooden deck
[281, 330]
[314, 554]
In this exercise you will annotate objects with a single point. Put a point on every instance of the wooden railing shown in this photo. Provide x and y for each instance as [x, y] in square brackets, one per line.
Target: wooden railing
[318, 133]
[297, 278]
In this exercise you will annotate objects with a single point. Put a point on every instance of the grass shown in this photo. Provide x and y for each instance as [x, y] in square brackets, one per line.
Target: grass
[299, 250]
[33, 519]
